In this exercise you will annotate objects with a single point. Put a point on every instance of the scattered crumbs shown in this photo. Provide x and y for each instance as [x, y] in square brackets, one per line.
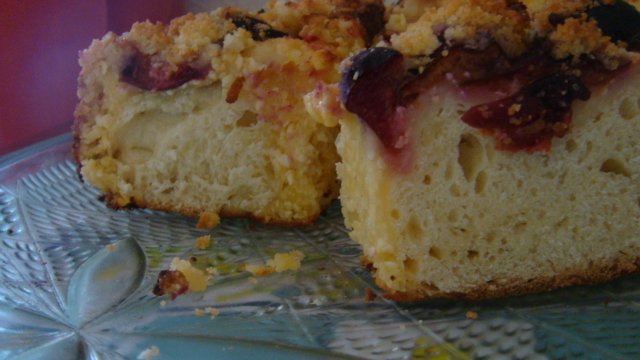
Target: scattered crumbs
[471, 315]
[172, 283]
[148, 354]
[198, 280]
[198, 312]
[252, 280]
[208, 220]
[211, 271]
[111, 247]
[258, 270]
[203, 242]
[213, 312]
[369, 295]
[281, 262]
[286, 261]
[163, 303]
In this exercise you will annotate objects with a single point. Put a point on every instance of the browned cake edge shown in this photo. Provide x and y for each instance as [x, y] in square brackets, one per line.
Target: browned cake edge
[594, 272]
[110, 201]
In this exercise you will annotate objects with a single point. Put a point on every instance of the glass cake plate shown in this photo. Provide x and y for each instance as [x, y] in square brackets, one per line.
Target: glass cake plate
[66, 294]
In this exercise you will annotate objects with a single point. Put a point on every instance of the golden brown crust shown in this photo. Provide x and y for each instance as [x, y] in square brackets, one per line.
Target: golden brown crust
[592, 273]
[111, 201]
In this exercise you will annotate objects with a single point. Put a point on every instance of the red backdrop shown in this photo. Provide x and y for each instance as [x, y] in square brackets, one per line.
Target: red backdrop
[39, 45]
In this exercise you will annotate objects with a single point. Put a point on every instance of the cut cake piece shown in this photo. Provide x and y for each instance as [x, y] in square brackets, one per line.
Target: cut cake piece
[205, 115]
[492, 148]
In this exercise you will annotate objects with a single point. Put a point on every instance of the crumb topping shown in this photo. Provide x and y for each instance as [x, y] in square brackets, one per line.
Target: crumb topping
[234, 44]
[467, 22]
[190, 37]
[577, 37]
[419, 28]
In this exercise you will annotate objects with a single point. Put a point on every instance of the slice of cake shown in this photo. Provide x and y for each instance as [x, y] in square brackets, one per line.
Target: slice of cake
[492, 148]
[205, 115]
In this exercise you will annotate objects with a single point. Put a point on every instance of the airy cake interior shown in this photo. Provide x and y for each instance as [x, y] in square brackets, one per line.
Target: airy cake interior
[469, 220]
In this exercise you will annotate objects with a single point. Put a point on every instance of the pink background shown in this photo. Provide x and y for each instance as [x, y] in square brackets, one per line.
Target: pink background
[39, 45]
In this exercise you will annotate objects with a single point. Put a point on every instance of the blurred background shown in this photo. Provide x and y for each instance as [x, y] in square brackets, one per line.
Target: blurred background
[39, 45]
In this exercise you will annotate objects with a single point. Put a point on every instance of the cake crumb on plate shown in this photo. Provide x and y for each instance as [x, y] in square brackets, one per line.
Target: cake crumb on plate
[208, 220]
[203, 242]
[281, 262]
[149, 353]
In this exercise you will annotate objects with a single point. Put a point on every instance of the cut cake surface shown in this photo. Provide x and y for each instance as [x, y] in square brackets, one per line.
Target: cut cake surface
[205, 114]
[498, 153]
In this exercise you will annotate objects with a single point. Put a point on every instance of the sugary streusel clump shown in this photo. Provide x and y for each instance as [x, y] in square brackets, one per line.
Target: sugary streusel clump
[328, 23]
[463, 22]
[513, 26]
[193, 38]
[577, 37]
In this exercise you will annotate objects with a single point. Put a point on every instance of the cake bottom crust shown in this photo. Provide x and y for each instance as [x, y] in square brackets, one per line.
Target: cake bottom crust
[226, 212]
[595, 272]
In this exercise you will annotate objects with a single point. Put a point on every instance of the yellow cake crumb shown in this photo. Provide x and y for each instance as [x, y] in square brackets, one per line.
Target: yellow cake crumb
[196, 278]
[281, 262]
[111, 247]
[149, 353]
[203, 242]
[213, 312]
[199, 312]
[259, 270]
[208, 220]
[323, 104]
[286, 261]
[163, 303]
[472, 315]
